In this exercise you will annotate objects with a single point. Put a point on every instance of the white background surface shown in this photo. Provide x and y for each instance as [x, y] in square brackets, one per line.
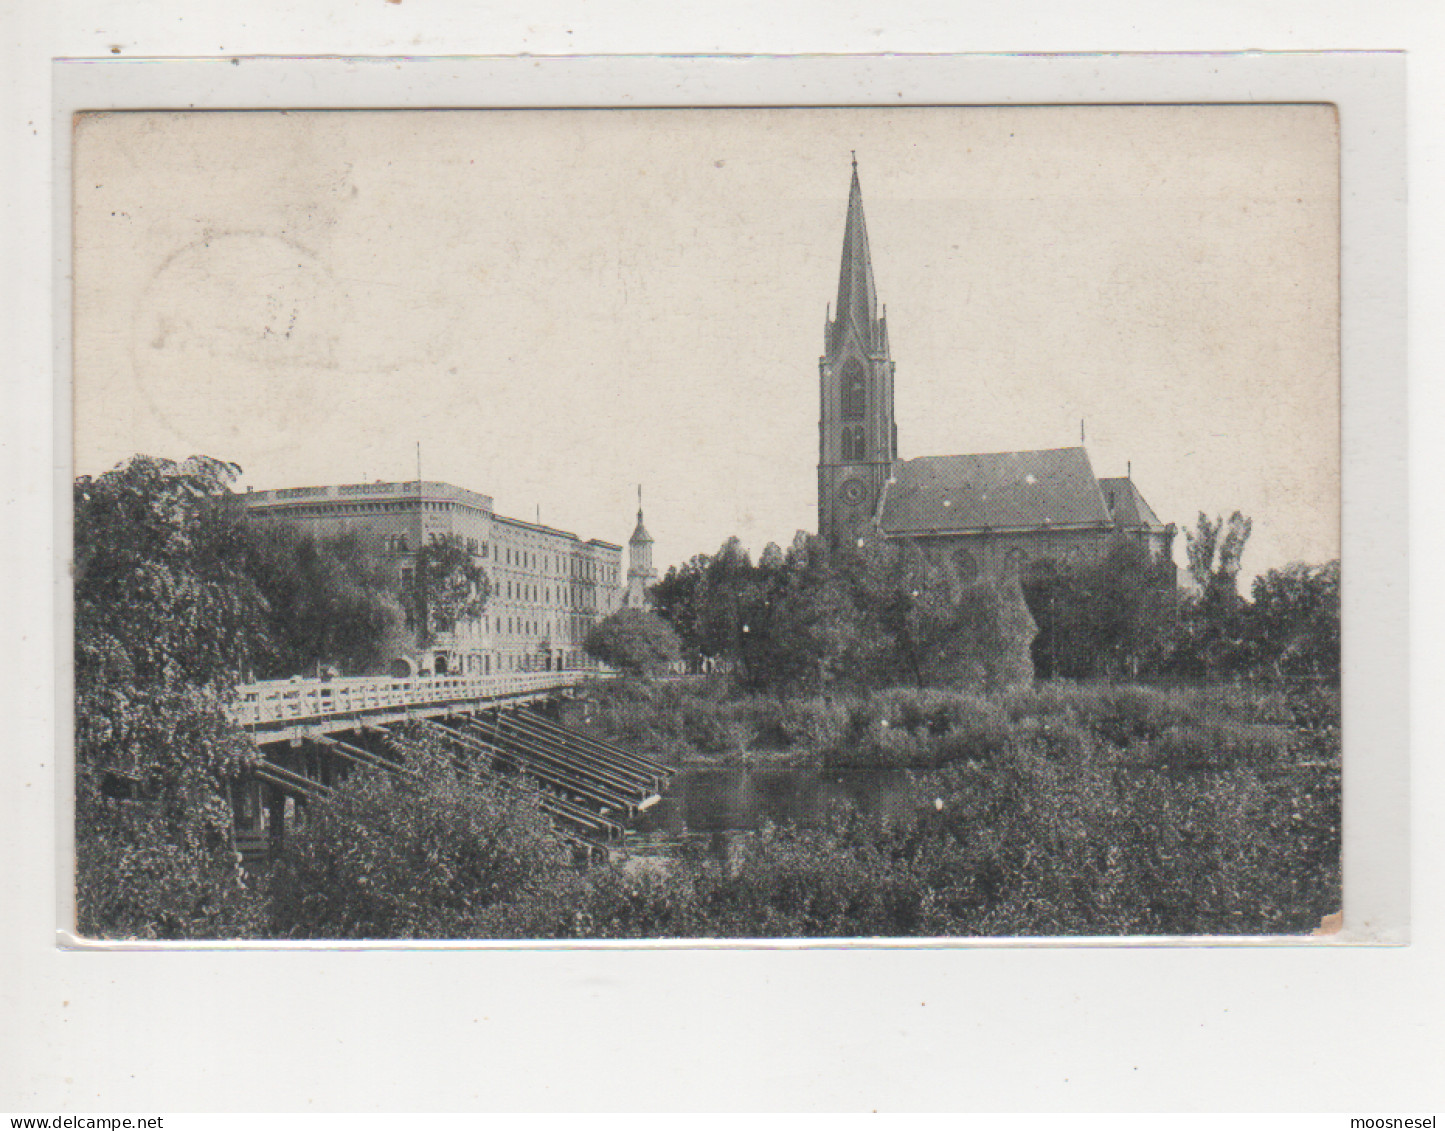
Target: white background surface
[1347, 1029]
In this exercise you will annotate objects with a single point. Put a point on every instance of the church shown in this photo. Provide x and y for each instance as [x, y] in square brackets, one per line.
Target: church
[995, 513]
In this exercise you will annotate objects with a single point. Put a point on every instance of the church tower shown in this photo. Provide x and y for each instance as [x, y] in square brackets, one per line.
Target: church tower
[640, 574]
[857, 438]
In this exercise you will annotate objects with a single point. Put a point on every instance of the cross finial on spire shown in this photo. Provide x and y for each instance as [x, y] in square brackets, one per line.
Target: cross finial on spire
[854, 154]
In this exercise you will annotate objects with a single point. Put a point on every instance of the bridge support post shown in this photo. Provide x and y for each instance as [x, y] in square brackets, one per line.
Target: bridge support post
[275, 818]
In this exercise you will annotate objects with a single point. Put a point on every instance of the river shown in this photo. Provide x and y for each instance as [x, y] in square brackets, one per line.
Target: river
[715, 801]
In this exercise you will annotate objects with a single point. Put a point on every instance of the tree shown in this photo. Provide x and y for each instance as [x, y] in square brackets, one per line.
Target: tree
[675, 599]
[1106, 617]
[635, 641]
[934, 626]
[446, 588]
[1211, 626]
[165, 617]
[331, 601]
[810, 620]
[1215, 550]
[1292, 626]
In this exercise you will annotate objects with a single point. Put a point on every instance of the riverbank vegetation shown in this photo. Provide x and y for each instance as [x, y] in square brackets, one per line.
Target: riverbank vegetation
[1070, 812]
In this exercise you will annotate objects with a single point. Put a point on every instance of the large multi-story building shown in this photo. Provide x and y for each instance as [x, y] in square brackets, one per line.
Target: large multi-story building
[995, 513]
[547, 587]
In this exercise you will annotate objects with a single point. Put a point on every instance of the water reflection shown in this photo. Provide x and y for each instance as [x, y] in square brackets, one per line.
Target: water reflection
[712, 801]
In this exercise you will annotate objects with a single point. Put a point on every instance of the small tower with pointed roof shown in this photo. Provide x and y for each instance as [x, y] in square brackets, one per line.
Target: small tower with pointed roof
[640, 574]
[857, 436]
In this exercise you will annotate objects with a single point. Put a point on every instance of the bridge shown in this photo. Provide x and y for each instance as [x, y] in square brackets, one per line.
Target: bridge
[313, 733]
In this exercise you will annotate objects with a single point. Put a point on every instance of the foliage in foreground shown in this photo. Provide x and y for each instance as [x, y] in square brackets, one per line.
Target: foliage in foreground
[413, 857]
[1048, 810]
[165, 614]
[1093, 812]
[175, 595]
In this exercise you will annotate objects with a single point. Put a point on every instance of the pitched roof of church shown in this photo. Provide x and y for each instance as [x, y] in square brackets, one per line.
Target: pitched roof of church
[857, 296]
[1127, 505]
[640, 534]
[993, 491]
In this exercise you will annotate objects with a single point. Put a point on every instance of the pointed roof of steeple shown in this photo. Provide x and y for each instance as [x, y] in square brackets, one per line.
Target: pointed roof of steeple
[857, 297]
[640, 534]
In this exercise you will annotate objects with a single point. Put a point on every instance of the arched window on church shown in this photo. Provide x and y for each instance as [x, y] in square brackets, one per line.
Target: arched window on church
[855, 391]
[854, 446]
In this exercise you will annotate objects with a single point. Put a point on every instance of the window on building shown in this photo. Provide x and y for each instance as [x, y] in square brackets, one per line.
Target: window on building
[854, 390]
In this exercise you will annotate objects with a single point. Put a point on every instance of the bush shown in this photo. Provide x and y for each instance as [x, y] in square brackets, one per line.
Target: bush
[405, 858]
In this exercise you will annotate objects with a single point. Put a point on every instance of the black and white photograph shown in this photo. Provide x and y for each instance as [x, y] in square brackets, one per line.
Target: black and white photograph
[879, 523]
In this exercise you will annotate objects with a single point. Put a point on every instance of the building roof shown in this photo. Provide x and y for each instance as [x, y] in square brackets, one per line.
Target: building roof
[1127, 505]
[406, 491]
[640, 534]
[993, 491]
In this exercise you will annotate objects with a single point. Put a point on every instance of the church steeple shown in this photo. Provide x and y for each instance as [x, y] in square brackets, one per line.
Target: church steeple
[640, 574]
[857, 296]
[857, 438]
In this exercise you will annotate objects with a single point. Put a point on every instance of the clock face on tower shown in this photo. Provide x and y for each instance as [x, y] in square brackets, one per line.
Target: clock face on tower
[852, 492]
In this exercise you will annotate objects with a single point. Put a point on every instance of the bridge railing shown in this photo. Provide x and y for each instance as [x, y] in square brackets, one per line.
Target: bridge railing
[287, 700]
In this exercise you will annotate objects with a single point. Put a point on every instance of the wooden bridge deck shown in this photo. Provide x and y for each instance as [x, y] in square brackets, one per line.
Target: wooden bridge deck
[279, 709]
[312, 733]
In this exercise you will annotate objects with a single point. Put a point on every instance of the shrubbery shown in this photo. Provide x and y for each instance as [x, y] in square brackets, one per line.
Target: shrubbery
[422, 856]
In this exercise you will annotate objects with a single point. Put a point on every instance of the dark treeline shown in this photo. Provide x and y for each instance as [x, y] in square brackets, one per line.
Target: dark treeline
[877, 615]
[888, 613]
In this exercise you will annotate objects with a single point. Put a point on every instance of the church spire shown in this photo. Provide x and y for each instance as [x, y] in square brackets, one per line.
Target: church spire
[640, 534]
[857, 298]
[857, 437]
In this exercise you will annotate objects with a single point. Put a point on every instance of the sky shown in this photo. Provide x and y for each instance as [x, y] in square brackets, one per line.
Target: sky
[561, 305]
